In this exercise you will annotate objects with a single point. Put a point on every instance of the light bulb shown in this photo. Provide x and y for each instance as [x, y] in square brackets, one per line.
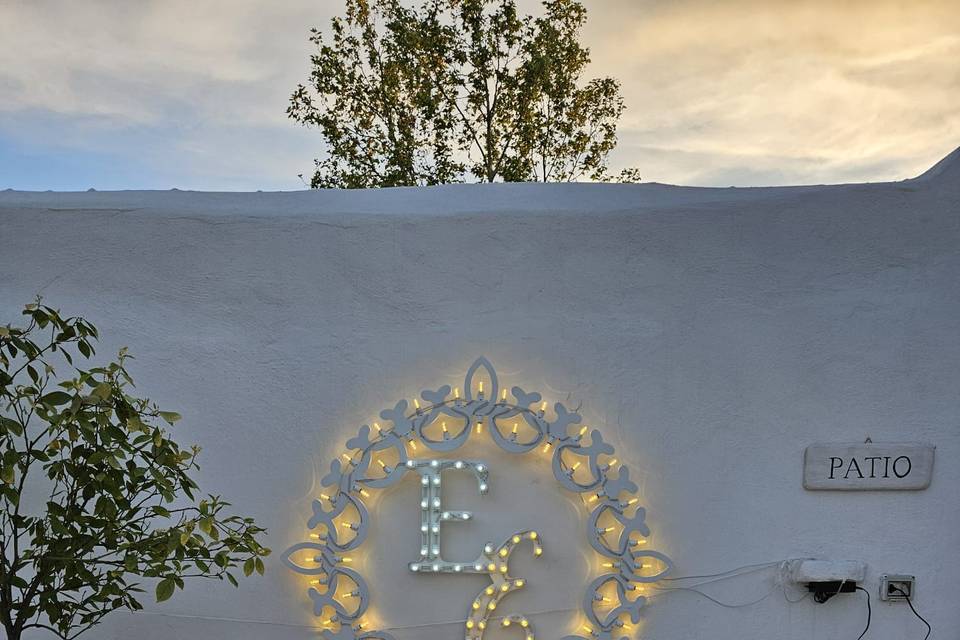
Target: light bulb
[516, 539]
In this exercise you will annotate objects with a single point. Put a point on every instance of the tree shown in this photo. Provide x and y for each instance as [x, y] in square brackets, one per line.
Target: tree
[455, 89]
[94, 494]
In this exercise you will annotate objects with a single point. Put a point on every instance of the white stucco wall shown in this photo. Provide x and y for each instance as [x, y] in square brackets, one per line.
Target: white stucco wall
[712, 334]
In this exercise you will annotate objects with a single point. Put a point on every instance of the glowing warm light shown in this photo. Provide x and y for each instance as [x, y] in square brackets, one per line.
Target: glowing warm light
[595, 485]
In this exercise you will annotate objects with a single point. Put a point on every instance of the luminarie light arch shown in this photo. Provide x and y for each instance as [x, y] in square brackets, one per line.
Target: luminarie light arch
[342, 519]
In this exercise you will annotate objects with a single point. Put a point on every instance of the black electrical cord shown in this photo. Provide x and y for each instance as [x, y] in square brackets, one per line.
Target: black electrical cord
[907, 598]
[869, 612]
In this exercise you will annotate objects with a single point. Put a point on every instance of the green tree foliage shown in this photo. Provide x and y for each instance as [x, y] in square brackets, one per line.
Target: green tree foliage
[454, 89]
[94, 494]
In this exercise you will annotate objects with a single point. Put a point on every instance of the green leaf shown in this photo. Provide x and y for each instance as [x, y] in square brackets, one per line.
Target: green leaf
[102, 391]
[259, 564]
[165, 589]
[169, 416]
[56, 398]
[14, 427]
[248, 567]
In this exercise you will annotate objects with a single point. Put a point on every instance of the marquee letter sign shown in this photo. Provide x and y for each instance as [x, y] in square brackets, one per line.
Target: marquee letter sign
[381, 457]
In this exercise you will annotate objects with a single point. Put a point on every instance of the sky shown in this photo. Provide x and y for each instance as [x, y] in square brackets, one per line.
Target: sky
[160, 94]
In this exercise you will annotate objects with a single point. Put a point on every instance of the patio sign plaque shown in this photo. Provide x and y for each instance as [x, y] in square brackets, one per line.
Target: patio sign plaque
[868, 466]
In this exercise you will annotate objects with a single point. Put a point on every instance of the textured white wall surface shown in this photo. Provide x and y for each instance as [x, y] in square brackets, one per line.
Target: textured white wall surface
[711, 334]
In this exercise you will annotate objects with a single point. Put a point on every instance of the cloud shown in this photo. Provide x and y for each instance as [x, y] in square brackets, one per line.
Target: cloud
[739, 92]
[782, 92]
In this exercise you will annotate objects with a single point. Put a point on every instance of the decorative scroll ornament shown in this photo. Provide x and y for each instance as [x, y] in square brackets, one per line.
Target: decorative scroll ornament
[443, 422]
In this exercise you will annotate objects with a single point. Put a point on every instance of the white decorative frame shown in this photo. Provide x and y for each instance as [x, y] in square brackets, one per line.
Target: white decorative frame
[610, 494]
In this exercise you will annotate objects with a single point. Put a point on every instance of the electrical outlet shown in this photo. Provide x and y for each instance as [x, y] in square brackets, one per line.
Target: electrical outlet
[896, 588]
